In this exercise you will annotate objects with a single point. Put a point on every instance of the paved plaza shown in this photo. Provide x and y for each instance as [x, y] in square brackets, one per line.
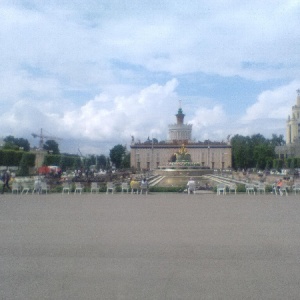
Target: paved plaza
[159, 246]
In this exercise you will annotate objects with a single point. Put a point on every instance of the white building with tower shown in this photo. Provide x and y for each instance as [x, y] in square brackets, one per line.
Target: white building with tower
[292, 147]
[207, 154]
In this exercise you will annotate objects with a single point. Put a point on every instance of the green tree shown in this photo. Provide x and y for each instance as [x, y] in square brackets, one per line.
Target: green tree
[241, 155]
[51, 160]
[263, 154]
[51, 146]
[117, 154]
[254, 151]
[67, 162]
[126, 161]
[28, 160]
[16, 143]
[102, 162]
[277, 140]
[77, 163]
[8, 158]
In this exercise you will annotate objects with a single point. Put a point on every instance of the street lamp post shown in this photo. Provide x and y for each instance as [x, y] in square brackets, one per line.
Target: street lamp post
[208, 155]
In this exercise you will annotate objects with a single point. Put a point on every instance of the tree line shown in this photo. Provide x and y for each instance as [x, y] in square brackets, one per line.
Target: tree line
[15, 152]
[255, 151]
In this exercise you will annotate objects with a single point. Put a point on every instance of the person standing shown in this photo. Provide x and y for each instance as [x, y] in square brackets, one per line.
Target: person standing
[5, 179]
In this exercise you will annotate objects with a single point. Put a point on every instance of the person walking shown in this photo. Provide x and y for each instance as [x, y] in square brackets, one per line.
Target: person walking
[5, 179]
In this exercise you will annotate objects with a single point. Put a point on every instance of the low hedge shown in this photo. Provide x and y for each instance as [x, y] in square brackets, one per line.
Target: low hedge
[169, 189]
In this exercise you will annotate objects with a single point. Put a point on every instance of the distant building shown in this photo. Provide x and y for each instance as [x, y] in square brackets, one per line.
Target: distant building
[150, 155]
[180, 131]
[292, 147]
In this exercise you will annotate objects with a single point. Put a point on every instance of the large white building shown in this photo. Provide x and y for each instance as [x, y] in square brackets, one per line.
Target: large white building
[293, 123]
[292, 147]
[149, 155]
[180, 131]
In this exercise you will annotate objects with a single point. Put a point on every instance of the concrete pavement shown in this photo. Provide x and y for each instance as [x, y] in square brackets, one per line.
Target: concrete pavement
[161, 246]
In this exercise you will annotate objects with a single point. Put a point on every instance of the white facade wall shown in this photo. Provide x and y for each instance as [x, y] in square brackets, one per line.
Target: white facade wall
[148, 158]
[293, 124]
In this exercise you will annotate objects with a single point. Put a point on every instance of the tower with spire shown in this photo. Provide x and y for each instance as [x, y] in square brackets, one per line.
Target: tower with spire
[293, 123]
[180, 132]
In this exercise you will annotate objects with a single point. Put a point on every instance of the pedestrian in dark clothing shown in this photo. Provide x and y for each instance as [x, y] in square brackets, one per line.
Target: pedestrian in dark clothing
[5, 179]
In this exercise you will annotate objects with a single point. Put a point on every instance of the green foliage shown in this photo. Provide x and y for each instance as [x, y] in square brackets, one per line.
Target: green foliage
[51, 146]
[56, 189]
[269, 188]
[278, 164]
[77, 163]
[240, 188]
[117, 155]
[255, 151]
[170, 189]
[264, 154]
[16, 143]
[7, 157]
[88, 161]
[67, 162]
[10, 157]
[118, 189]
[51, 160]
[126, 161]
[102, 162]
[277, 140]
[28, 160]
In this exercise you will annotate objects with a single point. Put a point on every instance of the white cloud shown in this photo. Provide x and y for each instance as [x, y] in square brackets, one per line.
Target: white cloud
[198, 37]
[86, 69]
[273, 104]
[116, 118]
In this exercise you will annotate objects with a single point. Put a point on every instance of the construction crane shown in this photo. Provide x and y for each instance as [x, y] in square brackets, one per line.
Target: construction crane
[42, 137]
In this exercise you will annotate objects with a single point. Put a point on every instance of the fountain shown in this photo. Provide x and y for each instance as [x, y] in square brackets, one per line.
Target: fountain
[181, 168]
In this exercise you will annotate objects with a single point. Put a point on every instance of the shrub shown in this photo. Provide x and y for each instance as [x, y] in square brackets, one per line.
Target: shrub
[56, 189]
[241, 188]
[171, 189]
[269, 188]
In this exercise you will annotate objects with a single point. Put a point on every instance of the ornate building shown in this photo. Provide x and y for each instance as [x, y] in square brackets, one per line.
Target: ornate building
[293, 123]
[150, 155]
[292, 147]
[180, 131]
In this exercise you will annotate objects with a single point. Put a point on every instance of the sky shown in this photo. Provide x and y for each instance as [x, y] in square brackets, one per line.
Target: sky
[94, 73]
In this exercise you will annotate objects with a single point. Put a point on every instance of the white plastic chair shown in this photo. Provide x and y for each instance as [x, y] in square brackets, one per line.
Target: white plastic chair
[44, 187]
[78, 188]
[66, 188]
[15, 187]
[25, 188]
[110, 187]
[261, 188]
[296, 188]
[221, 188]
[125, 187]
[144, 188]
[250, 188]
[232, 187]
[94, 187]
[283, 189]
[36, 187]
[274, 188]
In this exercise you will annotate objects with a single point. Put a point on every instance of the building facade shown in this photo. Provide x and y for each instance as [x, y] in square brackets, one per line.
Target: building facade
[180, 131]
[150, 156]
[293, 123]
[292, 147]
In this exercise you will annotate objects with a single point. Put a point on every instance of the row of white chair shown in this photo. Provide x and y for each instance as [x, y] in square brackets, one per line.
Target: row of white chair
[222, 187]
[25, 188]
[259, 188]
[140, 188]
